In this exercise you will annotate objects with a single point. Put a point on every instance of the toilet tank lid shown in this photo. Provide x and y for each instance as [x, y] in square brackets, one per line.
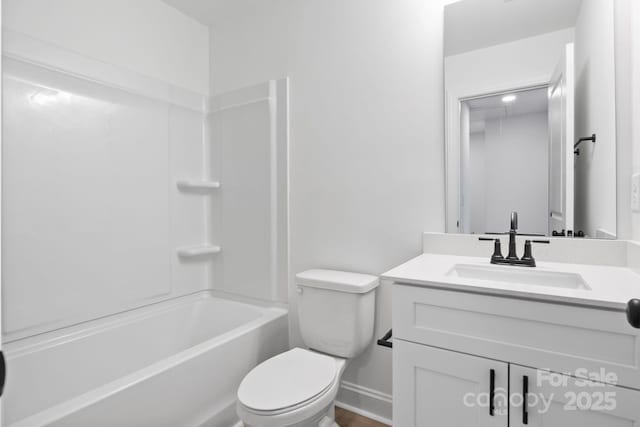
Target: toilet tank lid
[342, 281]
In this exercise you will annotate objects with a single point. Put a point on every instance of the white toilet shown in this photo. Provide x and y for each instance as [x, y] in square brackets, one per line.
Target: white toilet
[297, 388]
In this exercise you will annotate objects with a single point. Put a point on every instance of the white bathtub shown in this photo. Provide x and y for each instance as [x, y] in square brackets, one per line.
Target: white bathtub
[172, 364]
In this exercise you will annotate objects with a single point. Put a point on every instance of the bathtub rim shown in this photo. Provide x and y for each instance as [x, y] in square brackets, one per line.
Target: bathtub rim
[269, 312]
[57, 336]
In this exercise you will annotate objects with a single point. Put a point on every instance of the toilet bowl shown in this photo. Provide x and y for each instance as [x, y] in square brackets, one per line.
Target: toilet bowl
[295, 388]
[298, 388]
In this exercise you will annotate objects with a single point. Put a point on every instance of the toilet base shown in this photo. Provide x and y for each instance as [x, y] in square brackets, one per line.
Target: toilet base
[326, 422]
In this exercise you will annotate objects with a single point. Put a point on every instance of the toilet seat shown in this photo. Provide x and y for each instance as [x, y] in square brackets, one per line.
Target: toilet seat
[287, 380]
[289, 388]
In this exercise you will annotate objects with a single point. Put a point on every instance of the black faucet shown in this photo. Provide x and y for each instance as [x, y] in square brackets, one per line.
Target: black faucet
[513, 230]
[527, 259]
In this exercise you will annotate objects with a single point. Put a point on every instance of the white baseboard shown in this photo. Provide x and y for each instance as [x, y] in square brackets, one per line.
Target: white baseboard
[365, 401]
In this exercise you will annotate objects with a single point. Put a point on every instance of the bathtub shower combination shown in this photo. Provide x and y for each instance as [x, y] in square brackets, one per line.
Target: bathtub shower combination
[131, 209]
[175, 363]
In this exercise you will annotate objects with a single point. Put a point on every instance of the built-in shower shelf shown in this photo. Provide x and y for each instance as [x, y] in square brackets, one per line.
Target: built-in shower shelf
[197, 185]
[198, 250]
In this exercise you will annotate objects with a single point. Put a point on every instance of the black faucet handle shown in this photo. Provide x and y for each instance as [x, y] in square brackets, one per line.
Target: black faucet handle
[497, 248]
[528, 254]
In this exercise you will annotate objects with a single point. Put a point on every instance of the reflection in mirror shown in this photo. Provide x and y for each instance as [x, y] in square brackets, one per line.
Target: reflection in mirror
[525, 82]
[507, 137]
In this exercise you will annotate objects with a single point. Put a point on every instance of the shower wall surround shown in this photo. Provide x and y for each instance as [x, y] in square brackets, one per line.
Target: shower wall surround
[115, 194]
[91, 216]
[249, 154]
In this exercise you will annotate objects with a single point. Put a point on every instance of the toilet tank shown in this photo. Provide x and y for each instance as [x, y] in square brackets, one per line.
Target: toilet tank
[336, 310]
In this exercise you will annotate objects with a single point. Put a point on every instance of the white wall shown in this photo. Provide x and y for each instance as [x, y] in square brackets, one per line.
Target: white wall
[595, 101]
[145, 36]
[366, 143]
[635, 104]
[513, 161]
[624, 122]
[627, 55]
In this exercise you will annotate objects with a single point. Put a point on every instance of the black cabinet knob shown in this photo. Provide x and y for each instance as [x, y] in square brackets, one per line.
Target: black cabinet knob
[633, 313]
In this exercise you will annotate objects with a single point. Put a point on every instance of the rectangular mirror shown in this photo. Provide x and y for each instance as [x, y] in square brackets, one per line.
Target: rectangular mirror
[530, 117]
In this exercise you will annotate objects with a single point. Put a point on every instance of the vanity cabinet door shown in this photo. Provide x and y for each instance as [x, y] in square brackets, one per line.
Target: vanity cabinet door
[439, 388]
[555, 400]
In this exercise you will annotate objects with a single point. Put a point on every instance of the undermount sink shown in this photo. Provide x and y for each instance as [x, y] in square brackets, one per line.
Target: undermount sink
[519, 275]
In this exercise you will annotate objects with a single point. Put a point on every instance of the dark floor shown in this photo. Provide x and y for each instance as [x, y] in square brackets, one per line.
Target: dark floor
[345, 418]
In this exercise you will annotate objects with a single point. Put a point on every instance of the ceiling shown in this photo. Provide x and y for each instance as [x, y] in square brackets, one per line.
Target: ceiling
[211, 12]
[476, 24]
[492, 107]
[469, 24]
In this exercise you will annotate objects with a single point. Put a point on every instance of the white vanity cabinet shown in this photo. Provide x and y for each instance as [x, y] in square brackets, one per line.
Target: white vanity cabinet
[563, 401]
[448, 344]
[434, 387]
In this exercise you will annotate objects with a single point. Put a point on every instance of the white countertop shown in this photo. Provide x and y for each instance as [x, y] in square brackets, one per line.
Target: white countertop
[611, 286]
